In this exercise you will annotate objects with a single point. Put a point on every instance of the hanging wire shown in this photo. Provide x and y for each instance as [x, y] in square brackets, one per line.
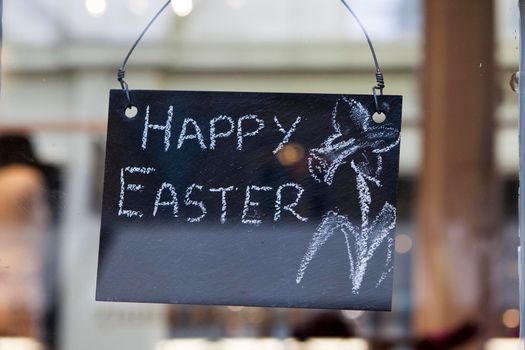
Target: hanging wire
[380, 80]
[121, 75]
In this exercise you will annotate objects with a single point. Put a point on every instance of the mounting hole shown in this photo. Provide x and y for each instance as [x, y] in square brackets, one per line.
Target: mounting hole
[379, 118]
[131, 112]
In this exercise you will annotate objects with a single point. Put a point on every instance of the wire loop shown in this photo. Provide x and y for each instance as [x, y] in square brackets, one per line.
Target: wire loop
[380, 80]
[379, 87]
[121, 77]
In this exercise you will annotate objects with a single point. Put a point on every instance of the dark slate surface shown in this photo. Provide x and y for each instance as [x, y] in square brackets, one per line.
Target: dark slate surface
[165, 259]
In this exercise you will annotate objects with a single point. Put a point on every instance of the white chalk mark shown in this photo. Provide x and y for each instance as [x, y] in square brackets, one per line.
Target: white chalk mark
[359, 114]
[174, 202]
[199, 204]
[249, 204]
[350, 232]
[166, 128]
[388, 147]
[365, 199]
[383, 224]
[135, 187]
[241, 135]
[335, 124]
[389, 260]
[131, 188]
[363, 169]
[139, 170]
[324, 161]
[379, 169]
[223, 191]
[329, 224]
[287, 134]
[361, 243]
[288, 207]
[197, 135]
[214, 135]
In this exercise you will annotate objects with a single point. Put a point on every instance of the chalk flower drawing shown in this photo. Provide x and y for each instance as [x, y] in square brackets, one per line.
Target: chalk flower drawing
[368, 140]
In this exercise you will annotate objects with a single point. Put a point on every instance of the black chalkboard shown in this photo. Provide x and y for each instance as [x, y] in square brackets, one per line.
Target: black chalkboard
[254, 199]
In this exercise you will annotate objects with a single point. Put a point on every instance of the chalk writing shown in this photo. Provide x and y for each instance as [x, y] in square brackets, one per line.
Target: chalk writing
[167, 196]
[288, 207]
[251, 205]
[241, 135]
[174, 203]
[221, 127]
[287, 134]
[131, 188]
[197, 135]
[199, 204]
[214, 135]
[166, 128]
[223, 192]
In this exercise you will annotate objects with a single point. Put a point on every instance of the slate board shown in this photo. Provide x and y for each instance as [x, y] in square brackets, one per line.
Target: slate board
[317, 230]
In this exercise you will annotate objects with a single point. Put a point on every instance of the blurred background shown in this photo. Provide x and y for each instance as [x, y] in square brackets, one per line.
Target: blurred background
[456, 280]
